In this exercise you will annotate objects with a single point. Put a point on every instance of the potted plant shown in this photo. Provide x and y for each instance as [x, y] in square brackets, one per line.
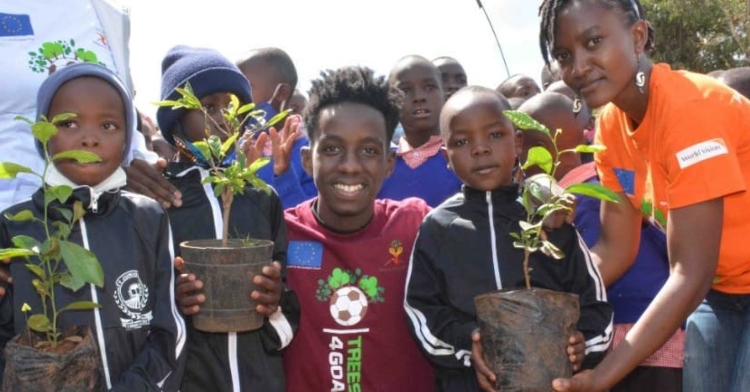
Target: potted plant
[525, 332]
[43, 357]
[226, 266]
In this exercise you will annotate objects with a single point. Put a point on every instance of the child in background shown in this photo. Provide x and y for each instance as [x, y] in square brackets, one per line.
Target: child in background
[738, 79]
[140, 336]
[518, 86]
[273, 78]
[232, 361]
[633, 292]
[452, 74]
[420, 171]
[464, 248]
[348, 252]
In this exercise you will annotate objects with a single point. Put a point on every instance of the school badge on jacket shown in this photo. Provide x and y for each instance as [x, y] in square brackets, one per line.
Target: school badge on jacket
[131, 296]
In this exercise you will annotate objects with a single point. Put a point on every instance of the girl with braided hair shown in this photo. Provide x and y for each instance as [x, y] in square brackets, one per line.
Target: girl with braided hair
[678, 154]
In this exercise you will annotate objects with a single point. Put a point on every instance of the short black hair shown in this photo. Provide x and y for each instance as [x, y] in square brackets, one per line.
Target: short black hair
[473, 90]
[352, 85]
[279, 59]
[738, 79]
[549, 10]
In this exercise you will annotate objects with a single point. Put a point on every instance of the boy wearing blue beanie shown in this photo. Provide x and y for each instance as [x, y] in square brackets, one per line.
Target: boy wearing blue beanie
[235, 361]
[139, 332]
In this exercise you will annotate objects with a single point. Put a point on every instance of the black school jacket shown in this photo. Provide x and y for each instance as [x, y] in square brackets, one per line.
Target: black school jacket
[139, 332]
[243, 361]
[464, 249]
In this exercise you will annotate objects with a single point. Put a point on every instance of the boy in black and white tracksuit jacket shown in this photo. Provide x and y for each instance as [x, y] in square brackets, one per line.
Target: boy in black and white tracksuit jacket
[138, 330]
[464, 249]
[235, 361]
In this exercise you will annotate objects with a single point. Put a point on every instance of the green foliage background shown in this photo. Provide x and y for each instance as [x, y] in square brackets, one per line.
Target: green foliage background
[700, 35]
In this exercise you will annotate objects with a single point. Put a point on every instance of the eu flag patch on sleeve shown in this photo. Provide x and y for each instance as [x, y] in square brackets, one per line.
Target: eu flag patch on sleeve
[305, 254]
[12, 25]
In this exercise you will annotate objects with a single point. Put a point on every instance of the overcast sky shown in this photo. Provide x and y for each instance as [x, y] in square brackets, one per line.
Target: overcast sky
[332, 33]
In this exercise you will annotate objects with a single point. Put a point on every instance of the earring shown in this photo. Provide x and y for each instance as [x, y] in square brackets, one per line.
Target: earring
[640, 78]
[577, 105]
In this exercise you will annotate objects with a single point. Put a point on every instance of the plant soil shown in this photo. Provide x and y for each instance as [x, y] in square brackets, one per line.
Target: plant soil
[525, 335]
[68, 367]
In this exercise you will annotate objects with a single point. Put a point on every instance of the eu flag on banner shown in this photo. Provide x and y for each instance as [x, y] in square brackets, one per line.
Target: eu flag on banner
[12, 25]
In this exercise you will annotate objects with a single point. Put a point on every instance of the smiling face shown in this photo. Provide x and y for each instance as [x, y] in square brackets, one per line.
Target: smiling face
[597, 51]
[423, 95]
[481, 143]
[349, 159]
[99, 127]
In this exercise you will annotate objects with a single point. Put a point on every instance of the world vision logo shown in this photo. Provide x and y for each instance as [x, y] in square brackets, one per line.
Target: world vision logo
[395, 250]
[349, 294]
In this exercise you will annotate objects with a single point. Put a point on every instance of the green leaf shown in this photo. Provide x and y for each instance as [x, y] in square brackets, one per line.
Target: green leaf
[596, 191]
[524, 122]
[526, 226]
[24, 119]
[21, 216]
[79, 156]
[9, 170]
[43, 131]
[63, 229]
[78, 211]
[214, 145]
[278, 117]
[71, 282]
[539, 156]
[66, 213]
[40, 287]
[82, 263]
[258, 164]
[10, 253]
[62, 117]
[36, 270]
[202, 146]
[551, 250]
[590, 149]
[40, 323]
[245, 108]
[60, 192]
[26, 242]
[80, 305]
[229, 143]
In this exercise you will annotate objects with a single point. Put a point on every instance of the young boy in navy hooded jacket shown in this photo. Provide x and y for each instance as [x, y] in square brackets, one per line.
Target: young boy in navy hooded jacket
[138, 329]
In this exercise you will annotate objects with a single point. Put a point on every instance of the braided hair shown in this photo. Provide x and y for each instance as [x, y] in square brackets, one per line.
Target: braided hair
[550, 9]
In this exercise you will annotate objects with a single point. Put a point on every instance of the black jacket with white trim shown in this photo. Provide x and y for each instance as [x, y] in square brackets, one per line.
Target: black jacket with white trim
[139, 332]
[244, 361]
[463, 249]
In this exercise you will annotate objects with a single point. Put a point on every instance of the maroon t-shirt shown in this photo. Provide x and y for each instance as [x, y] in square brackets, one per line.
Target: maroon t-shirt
[353, 335]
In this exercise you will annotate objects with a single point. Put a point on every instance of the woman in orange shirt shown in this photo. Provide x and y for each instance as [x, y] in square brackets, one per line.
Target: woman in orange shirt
[678, 153]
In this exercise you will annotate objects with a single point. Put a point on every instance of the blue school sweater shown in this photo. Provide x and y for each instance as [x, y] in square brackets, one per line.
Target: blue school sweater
[431, 181]
[633, 292]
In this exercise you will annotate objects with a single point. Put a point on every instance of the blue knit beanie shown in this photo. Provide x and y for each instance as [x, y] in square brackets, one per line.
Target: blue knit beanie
[207, 71]
[62, 75]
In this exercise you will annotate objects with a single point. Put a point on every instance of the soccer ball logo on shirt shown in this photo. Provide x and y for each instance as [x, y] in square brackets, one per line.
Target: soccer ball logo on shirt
[348, 294]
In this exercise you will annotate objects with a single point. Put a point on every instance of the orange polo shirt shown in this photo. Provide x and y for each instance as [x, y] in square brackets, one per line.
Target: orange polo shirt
[692, 146]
